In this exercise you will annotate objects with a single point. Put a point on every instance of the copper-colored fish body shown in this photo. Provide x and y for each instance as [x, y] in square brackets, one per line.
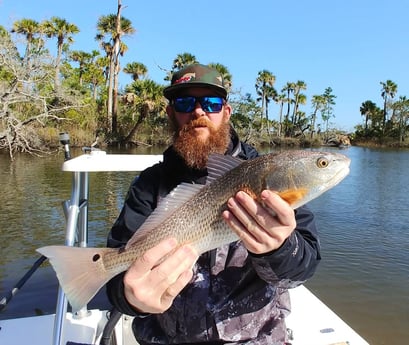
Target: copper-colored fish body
[192, 214]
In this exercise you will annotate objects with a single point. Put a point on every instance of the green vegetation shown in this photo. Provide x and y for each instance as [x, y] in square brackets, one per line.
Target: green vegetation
[78, 92]
[387, 126]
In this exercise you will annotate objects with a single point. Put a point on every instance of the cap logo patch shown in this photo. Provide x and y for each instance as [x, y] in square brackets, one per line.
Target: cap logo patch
[185, 78]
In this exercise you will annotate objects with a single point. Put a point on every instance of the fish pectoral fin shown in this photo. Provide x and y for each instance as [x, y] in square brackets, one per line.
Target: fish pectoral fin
[293, 195]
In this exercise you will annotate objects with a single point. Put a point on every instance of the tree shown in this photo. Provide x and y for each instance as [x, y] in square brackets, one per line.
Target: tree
[144, 97]
[183, 60]
[300, 120]
[136, 70]
[31, 30]
[224, 72]
[265, 89]
[401, 116]
[84, 60]
[180, 61]
[245, 115]
[94, 75]
[26, 100]
[299, 98]
[280, 99]
[288, 89]
[388, 91]
[318, 103]
[327, 110]
[113, 27]
[367, 109]
[63, 31]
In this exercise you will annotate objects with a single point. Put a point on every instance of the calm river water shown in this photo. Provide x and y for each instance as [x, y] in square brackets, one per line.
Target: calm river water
[363, 277]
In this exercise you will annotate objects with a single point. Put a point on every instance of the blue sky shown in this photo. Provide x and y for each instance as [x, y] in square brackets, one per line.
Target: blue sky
[350, 45]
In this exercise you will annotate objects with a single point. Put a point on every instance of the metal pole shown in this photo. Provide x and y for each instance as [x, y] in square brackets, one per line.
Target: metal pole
[83, 217]
[83, 228]
[72, 223]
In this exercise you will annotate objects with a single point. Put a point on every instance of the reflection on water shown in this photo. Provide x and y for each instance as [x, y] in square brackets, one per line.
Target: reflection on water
[363, 277]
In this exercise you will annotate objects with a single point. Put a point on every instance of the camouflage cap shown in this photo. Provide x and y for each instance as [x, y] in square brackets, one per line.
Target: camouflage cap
[196, 75]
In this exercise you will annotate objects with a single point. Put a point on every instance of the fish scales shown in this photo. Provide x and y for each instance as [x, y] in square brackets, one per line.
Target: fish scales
[192, 214]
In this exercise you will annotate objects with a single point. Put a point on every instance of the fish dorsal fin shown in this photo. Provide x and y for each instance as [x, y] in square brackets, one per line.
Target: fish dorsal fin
[177, 197]
[218, 165]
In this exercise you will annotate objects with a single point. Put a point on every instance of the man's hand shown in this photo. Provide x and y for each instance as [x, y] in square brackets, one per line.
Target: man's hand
[151, 288]
[260, 230]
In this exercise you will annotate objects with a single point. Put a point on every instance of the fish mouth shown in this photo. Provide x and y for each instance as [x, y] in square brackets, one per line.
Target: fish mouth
[343, 172]
[340, 175]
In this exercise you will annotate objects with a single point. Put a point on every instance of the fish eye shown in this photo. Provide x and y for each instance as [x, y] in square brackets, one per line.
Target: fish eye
[322, 162]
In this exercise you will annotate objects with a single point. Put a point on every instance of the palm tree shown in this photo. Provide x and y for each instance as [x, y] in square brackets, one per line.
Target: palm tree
[60, 28]
[389, 89]
[83, 59]
[225, 73]
[29, 28]
[367, 109]
[288, 89]
[179, 62]
[147, 98]
[183, 60]
[299, 116]
[298, 98]
[265, 89]
[280, 99]
[113, 27]
[136, 70]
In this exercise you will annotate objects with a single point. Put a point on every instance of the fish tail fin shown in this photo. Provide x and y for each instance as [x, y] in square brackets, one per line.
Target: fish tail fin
[80, 271]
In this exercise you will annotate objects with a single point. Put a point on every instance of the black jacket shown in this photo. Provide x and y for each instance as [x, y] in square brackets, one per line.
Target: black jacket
[234, 296]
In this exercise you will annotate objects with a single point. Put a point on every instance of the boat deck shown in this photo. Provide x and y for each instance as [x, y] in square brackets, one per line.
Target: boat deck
[311, 323]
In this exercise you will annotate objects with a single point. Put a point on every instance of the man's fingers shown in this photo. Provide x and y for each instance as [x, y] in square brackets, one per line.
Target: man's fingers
[279, 206]
[262, 226]
[152, 287]
[252, 215]
[169, 270]
[152, 256]
[172, 291]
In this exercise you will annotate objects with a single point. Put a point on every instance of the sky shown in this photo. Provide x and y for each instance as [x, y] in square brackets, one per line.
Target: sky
[349, 45]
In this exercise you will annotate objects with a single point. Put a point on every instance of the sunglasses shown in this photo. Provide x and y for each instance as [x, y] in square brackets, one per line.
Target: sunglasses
[208, 104]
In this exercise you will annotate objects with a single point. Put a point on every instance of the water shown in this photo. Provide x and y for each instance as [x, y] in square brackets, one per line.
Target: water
[363, 277]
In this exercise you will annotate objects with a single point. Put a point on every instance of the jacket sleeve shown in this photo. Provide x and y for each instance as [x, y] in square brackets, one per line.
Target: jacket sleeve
[297, 259]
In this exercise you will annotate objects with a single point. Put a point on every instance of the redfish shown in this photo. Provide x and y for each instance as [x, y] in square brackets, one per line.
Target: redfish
[191, 213]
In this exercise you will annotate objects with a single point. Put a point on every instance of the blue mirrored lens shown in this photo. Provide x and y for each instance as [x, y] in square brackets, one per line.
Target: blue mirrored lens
[208, 104]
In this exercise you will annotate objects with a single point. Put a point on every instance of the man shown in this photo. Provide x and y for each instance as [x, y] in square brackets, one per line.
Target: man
[235, 294]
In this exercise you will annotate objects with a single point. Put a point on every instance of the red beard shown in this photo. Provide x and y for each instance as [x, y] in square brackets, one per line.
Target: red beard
[194, 150]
